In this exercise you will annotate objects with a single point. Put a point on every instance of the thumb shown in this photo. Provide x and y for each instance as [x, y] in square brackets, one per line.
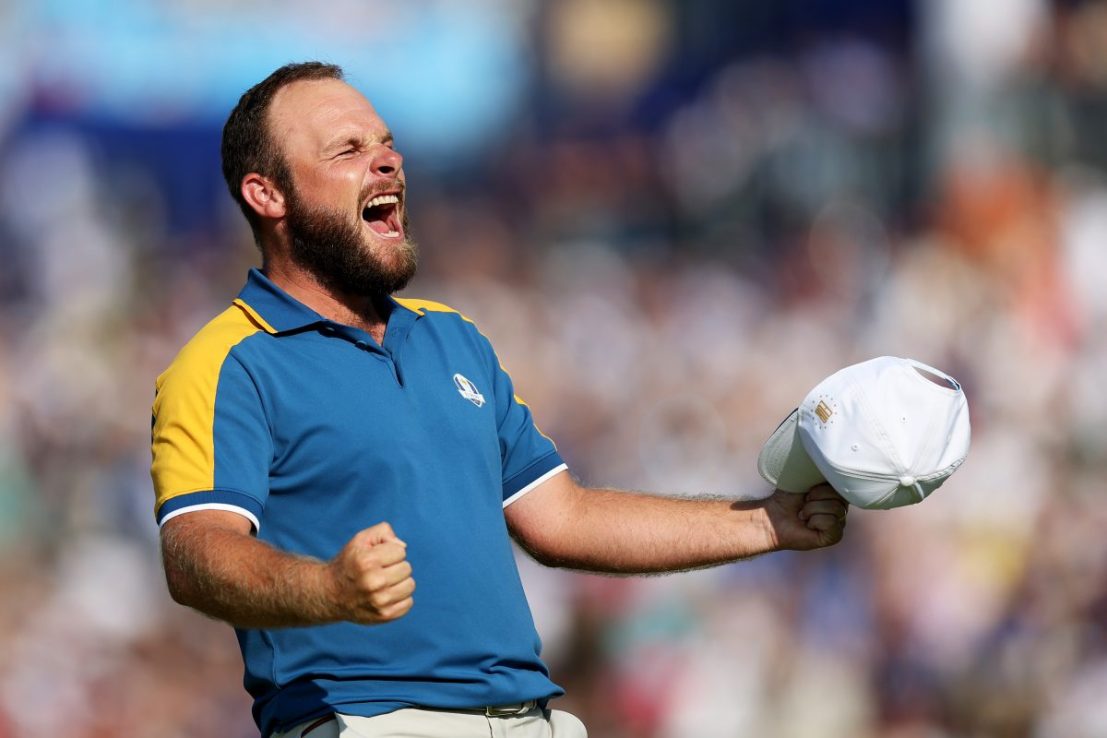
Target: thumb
[788, 502]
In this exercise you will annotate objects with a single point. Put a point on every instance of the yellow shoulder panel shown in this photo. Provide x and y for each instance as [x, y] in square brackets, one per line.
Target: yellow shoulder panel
[428, 306]
[254, 315]
[182, 442]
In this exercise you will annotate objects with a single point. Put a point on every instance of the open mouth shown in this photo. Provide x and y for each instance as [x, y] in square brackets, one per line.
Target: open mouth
[382, 215]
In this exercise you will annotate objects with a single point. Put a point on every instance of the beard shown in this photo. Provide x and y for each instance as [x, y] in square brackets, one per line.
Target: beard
[336, 250]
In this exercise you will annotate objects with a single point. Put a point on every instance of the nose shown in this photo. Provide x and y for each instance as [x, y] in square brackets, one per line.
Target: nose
[386, 162]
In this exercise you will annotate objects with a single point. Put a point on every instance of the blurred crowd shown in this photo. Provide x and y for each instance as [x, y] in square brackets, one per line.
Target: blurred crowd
[672, 242]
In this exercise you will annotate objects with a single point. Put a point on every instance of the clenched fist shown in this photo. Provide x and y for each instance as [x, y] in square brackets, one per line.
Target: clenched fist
[806, 521]
[372, 577]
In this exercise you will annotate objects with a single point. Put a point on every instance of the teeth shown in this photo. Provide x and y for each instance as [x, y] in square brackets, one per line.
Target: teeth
[382, 200]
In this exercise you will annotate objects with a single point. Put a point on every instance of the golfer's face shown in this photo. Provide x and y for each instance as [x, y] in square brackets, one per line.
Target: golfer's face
[341, 158]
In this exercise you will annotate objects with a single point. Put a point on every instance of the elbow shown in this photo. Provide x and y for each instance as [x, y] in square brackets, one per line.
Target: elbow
[180, 579]
[546, 550]
[541, 556]
[179, 585]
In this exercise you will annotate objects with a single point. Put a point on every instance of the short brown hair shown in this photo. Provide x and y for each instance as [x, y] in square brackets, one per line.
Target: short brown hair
[247, 146]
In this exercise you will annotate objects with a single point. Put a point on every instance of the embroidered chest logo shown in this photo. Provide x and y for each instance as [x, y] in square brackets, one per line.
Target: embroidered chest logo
[468, 390]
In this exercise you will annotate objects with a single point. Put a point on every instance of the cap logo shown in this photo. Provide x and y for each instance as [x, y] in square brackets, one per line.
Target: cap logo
[823, 411]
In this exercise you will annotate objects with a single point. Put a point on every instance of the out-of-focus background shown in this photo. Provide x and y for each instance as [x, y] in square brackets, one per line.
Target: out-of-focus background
[673, 219]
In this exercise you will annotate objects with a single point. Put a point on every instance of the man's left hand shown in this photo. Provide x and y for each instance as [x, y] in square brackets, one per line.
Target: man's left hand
[805, 521]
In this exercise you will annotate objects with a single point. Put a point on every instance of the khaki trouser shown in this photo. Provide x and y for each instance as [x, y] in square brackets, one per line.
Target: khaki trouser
[414, 723]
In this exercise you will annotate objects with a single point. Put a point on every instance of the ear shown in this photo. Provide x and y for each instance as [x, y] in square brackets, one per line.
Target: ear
[262, 194]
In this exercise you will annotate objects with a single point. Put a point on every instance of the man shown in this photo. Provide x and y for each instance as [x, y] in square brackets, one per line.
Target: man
[321, 446]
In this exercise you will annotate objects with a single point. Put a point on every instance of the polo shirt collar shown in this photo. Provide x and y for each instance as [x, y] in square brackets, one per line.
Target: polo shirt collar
[271, 307]
[276, 311]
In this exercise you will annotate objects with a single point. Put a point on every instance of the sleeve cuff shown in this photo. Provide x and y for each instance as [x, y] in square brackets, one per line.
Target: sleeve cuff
[533, 476]
[227, 500]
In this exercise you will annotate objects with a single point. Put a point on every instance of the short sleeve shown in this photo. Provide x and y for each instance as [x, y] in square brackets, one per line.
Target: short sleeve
[211, 442]
[529, 457]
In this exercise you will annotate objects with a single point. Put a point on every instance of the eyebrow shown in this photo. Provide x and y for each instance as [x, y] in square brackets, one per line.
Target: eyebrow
[353, 139]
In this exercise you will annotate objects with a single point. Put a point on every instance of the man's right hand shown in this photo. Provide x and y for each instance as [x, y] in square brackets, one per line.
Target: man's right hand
[372, 577]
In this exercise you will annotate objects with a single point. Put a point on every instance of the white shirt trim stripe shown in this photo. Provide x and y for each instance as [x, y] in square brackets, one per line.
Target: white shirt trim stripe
[214, 506]
[556, 470]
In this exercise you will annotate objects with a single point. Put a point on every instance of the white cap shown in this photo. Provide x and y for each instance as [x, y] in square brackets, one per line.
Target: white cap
[884, 433]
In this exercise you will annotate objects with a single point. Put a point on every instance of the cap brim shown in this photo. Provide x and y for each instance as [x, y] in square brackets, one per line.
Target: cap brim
[784, 463]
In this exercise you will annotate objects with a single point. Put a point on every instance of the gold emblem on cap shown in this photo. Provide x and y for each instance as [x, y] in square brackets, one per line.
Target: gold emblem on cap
[823, 411]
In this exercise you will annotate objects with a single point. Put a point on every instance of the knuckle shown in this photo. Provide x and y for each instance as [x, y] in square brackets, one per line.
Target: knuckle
[383, 602]
[395, 610]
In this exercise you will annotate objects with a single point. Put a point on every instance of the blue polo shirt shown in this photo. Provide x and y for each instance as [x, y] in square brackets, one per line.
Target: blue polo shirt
[314, 431]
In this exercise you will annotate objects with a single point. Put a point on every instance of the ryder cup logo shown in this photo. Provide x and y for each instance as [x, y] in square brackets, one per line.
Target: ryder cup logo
[468, 390]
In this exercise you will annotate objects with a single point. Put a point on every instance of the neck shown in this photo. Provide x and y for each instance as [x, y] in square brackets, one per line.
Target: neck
[358, 311]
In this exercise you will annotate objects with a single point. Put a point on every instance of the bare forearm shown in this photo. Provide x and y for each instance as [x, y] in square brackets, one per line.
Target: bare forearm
[564, 524]
[632, 533]
[244, 581]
